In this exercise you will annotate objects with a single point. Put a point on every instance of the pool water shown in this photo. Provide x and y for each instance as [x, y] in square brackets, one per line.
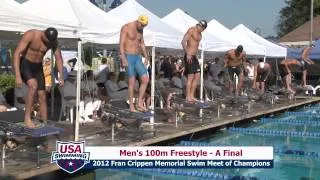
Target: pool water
[287, 166]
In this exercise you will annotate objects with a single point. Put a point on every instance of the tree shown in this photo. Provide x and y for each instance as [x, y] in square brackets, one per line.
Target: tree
[296, 13]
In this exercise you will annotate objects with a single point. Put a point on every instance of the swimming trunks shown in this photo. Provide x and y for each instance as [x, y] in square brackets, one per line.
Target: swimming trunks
[30, 70]
[234, 70]
[193, 67]
[302, 64]
[283, 70]
[135, 65]
[262, 75]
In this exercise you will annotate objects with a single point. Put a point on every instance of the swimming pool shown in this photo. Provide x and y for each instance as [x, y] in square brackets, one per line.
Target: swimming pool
[294, 136]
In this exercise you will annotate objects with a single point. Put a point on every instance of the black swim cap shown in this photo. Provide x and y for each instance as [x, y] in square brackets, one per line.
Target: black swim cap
[51, 34]
[203, 23]
[240, 48]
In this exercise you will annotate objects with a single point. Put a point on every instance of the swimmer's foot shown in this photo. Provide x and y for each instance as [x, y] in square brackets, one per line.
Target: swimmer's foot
[30, 124]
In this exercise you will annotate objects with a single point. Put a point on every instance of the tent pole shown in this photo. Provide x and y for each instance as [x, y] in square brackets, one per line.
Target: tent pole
[76, 131]
[153, 70]
[311, 22]
[201, 80]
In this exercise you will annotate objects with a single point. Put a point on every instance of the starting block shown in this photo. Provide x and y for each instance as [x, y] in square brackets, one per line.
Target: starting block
[9, 129]
[197, 105]
[119, 115]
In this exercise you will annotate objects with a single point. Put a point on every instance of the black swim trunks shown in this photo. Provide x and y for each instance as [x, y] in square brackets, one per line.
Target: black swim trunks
[234, 70]
[30, 70]
[193, 67]
[302, 64]
[262, 75]
[283, 70]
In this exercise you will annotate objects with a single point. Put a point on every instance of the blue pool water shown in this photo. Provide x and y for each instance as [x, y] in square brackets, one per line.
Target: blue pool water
[287, 165]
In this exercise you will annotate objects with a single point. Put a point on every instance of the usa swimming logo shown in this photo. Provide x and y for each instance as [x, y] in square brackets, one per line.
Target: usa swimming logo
[70, 156]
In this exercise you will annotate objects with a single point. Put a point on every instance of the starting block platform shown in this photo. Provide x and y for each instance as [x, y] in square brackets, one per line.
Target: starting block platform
[124, 113]
[10, 130]
[120, 115]
[20, 129]
[197, 105]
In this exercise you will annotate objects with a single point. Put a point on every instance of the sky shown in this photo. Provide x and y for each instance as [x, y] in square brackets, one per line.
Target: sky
[252, 13]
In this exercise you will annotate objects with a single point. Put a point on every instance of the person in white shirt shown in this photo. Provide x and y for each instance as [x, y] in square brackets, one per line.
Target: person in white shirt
[90, 104]
[250, 70]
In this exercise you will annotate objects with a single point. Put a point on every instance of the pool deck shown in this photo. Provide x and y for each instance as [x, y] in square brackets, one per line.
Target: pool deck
[99, 135]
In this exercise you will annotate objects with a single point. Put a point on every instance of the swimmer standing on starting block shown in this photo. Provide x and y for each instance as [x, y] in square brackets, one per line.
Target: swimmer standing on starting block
[190, 44]
[131, 44]
[234, 60]
[27, 59]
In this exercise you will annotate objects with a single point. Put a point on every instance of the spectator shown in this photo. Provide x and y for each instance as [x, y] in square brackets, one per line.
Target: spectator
[122, 82]
[47, 73]
[102, 73]
[166, 67]
[113, 89]
[90, 105]
[3, 103]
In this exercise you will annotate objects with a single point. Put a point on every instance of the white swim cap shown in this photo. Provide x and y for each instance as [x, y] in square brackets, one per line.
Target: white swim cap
[261, 65]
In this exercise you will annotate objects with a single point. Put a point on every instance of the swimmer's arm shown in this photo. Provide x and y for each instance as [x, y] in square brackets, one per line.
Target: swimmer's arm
[185, 39]
[59, 61]
[244, 59]
[144, 50]
[286, 64]
[122, 41]
[269, 71]
[20, 51]
[305, 55]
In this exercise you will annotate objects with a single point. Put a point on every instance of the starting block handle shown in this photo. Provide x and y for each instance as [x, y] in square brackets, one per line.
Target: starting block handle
[38, 156]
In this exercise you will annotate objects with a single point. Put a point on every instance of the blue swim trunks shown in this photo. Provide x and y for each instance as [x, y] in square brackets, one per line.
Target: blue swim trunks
[135, 65]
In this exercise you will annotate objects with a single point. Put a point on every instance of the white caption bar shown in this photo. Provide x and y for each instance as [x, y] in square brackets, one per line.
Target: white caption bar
[180, 153]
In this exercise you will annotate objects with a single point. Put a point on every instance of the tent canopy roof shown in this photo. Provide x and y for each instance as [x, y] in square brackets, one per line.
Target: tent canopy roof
[272, 50]
[251, 48]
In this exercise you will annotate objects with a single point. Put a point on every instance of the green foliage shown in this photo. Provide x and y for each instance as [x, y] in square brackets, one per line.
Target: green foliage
[7, 82]
[295, 14]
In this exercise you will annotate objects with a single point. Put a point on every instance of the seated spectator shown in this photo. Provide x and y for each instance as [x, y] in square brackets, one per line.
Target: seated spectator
[214, 69]
[167, 67]
[20, 95]
[210, 86]
[122, 81]
[177, 83]
[163, 85]
[113, 89]
[102, 73]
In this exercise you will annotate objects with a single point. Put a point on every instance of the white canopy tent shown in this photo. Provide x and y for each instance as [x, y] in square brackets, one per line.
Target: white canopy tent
[87, 19]
[15, 18]
[181, 21]
[156, 34]
[251, 48]
[272, 50]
